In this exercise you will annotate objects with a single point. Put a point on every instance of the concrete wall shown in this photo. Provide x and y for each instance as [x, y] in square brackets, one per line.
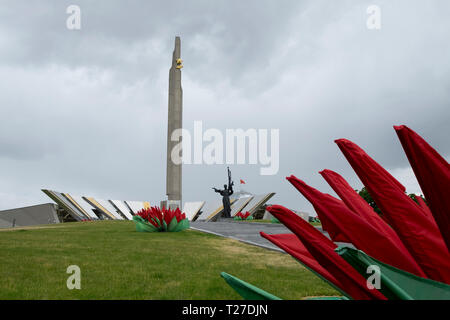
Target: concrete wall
[29, 216]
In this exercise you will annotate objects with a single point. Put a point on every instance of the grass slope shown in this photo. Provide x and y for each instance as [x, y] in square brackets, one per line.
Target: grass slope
[119, 263]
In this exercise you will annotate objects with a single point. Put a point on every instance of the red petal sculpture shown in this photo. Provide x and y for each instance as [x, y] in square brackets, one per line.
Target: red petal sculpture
[433, 174]
[162, 220]
[329, 226]
[243, 216]
[292, 245]
[360, 233]
[356, 203]
[420, 236]
[322, 249]
[425, 208]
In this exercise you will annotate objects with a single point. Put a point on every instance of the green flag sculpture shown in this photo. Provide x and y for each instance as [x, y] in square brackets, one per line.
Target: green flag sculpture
[246, 290]
[396, 284]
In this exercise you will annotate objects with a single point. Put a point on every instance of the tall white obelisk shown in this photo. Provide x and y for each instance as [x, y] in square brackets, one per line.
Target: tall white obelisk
[175, 121]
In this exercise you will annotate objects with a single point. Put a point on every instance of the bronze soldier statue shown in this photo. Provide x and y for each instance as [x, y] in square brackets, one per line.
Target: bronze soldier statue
[226, 193]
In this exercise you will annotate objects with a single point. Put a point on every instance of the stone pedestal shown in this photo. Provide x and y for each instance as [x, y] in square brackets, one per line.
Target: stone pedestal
[171, 204]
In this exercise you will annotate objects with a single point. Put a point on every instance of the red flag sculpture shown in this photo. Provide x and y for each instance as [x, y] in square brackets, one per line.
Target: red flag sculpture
[292, 245]
[360, 233]
[329, 226]
[420, 236]
[425, 208]
[356, 203]
[412, 239]
[322, 249]
[433, 174]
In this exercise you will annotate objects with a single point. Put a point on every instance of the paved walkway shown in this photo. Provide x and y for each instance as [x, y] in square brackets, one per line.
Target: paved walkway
[247, 232]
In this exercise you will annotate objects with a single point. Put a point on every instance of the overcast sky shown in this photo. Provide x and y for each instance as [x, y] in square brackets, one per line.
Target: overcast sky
[85, 111]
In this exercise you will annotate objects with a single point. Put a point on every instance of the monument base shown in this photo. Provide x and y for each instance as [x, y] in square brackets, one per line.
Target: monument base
[171, 204]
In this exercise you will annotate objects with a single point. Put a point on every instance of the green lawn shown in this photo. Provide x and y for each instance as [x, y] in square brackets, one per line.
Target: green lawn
[119, 263]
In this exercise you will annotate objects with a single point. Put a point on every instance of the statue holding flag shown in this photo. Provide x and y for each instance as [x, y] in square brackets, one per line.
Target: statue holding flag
[226, 193]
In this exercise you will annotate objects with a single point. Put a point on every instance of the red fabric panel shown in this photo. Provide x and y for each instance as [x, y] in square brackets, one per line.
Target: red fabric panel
[360, 233]
[433, 174]
[420, 236]
[322, 249]
[425, 207]
[292, 245]
[328, 225]
[385, 219]
[356, 203]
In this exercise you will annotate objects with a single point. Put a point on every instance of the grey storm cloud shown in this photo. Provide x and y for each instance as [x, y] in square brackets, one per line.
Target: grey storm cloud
[86, 111]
